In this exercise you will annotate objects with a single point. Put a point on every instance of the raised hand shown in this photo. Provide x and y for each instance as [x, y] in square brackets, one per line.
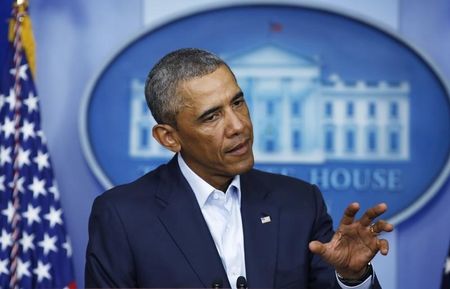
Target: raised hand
[355, 243]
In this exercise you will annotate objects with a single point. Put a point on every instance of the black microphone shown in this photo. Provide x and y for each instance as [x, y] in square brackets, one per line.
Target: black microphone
[217, 283]
[241, 283]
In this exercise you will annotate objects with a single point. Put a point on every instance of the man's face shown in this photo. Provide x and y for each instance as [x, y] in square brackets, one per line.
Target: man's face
[214, 127]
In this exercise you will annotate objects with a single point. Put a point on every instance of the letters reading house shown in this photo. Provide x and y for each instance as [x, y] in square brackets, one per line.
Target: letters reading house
[299, 117]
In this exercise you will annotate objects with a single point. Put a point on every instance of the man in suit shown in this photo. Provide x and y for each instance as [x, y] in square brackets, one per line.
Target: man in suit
[207, 217]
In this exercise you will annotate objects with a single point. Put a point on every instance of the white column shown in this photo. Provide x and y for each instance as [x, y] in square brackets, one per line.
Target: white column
[286, 127]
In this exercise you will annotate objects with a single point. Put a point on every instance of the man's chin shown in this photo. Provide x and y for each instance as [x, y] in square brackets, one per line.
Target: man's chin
[245, 165]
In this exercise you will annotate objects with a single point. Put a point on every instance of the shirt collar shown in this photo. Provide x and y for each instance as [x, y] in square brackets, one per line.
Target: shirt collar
[201, 188]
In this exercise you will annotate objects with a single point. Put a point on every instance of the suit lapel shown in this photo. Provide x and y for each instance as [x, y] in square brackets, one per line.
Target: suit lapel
[260, 224]
[184, 221]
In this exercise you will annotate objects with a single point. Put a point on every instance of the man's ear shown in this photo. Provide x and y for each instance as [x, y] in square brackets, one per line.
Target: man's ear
[167, 136]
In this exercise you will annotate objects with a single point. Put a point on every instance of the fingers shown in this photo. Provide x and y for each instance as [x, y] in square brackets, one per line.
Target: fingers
[372, 213]
[381, 226]
[349, 214]
[317, 247]
[383, 246]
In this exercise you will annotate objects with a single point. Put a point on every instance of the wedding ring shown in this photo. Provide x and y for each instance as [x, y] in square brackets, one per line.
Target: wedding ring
[372, 228]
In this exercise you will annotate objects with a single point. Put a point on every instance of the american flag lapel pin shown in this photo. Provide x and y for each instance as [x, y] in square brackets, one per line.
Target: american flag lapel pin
[265, 219]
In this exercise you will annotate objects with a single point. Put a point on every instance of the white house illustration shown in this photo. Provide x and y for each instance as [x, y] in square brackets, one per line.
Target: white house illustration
[300, 118]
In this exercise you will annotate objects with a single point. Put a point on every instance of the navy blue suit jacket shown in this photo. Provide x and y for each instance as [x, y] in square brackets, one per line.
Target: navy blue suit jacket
[151, 234]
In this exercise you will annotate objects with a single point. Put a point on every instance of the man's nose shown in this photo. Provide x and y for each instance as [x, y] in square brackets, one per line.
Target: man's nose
[234, 123]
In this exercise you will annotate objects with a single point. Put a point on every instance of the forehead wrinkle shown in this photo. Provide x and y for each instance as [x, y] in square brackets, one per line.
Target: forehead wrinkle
[199, 94]
[195, 98]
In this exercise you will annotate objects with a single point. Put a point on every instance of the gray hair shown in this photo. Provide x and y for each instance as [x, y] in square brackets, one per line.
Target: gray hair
[161, 86]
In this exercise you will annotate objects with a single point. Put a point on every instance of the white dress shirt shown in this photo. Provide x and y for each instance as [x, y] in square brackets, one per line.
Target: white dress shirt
[222, 213]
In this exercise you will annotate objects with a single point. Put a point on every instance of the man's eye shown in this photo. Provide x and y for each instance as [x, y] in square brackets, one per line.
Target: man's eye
[238, 102]
[211, 117]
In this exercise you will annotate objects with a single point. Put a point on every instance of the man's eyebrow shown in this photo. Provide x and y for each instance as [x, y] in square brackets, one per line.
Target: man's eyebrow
[209, 111]
[238, 95]
[216, 108]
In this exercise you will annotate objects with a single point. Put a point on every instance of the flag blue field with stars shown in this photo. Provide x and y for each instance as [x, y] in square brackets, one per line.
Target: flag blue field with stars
[35, 250]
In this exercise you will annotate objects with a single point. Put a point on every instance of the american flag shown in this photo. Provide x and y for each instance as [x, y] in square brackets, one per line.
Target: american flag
[35, 251]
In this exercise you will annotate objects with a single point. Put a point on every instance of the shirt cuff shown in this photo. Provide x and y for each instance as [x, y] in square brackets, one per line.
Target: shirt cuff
[364, 285]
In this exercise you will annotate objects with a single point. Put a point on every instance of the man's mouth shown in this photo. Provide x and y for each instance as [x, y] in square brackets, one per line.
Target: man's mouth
[239, 149]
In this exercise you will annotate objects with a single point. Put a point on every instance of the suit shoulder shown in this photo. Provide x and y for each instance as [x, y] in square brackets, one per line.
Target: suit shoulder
[284, 189]
[140, 189]
[277, 180]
